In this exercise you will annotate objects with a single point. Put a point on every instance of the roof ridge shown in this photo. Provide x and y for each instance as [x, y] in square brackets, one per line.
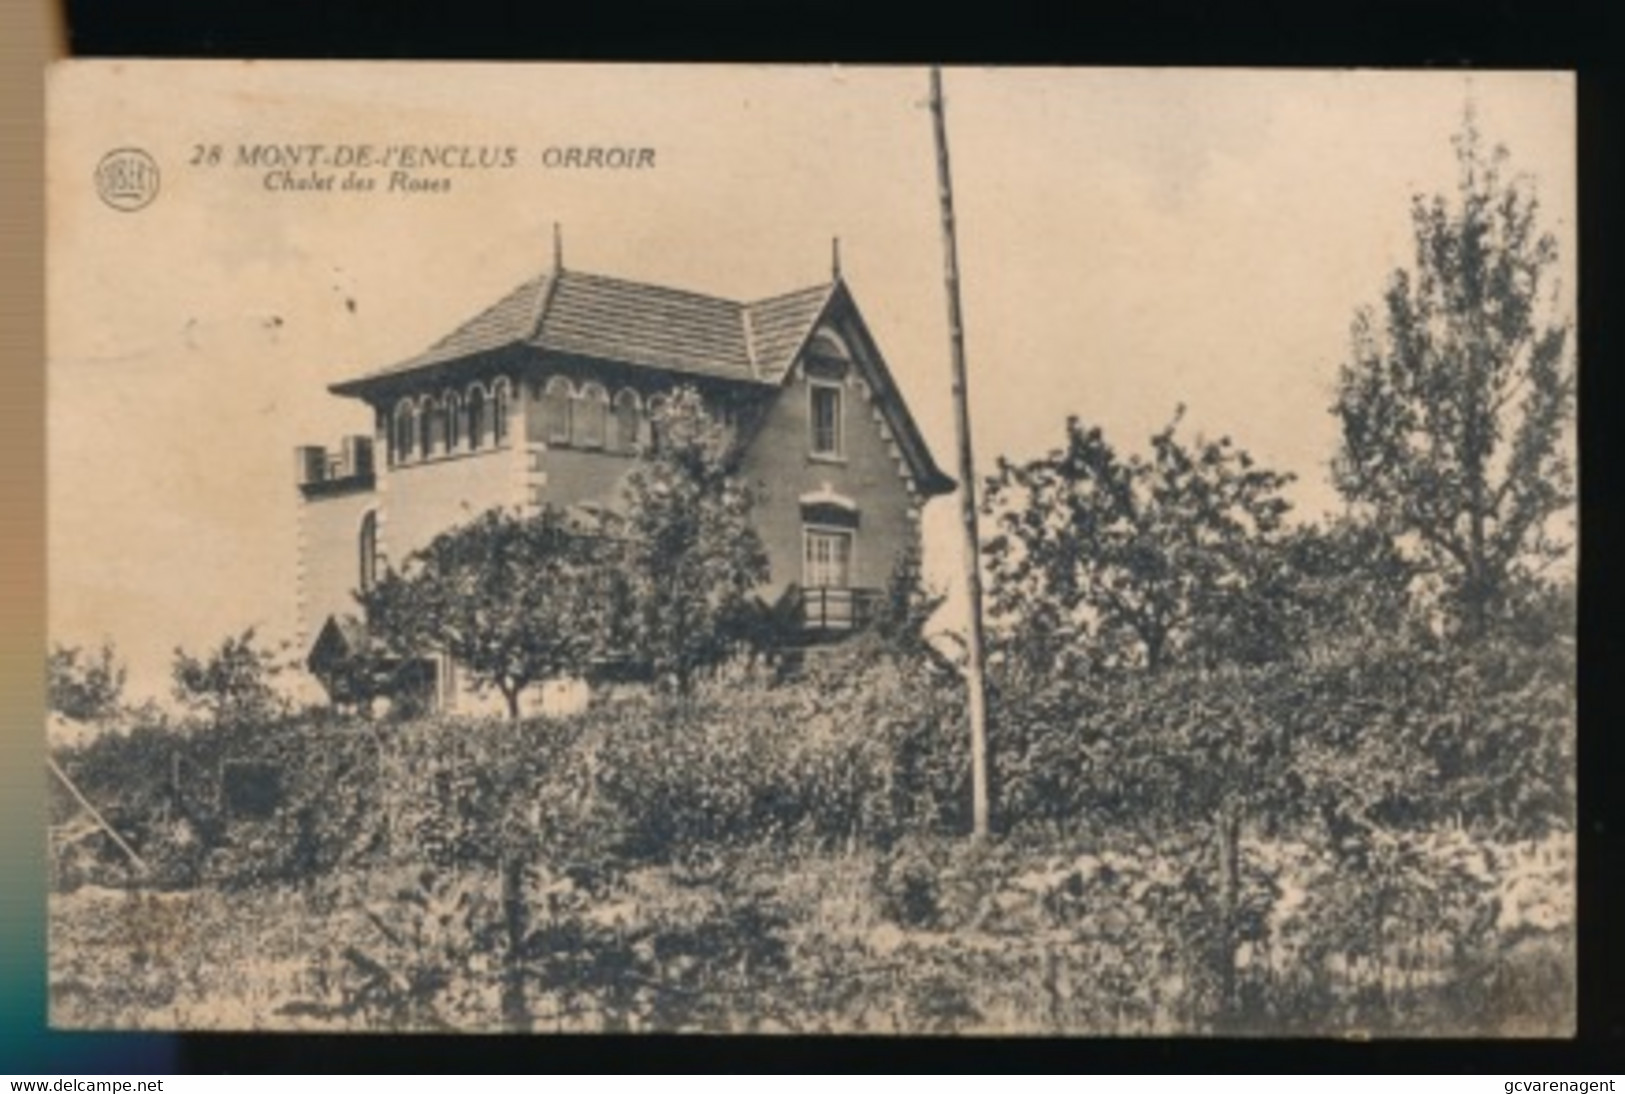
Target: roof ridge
[544, 298]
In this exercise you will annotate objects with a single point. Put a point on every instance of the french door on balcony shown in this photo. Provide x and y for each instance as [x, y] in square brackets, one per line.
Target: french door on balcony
[828, 603]
[827, 563]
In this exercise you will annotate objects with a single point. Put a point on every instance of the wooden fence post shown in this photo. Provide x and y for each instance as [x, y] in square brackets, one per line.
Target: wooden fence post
[1229, 901]
[515, 1013]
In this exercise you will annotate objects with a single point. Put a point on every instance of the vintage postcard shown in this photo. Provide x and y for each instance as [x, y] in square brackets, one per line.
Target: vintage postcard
[560, 548]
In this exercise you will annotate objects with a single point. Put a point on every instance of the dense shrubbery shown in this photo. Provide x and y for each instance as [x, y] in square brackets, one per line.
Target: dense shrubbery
[232, 803]
[845, 754]
[788, 854]
[852, 752]
[1402, 735]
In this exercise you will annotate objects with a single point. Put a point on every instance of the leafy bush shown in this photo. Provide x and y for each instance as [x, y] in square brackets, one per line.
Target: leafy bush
[163, 787]
[1407, 735]
[231, 683]
[852, 752]
[84, 687]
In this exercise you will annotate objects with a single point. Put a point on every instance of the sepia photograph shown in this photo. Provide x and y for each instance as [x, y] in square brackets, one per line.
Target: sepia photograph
[767, 549]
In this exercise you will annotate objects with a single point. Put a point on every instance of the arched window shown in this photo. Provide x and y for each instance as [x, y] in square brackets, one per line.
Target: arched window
[556, 398]
[499, 409]
[476, 415]
[589, 415]
[369, 550]
[628, 421]
[428, 433]
[827, 355]
[406, 424]
[657, 422]
[826, 364]
[454, 422]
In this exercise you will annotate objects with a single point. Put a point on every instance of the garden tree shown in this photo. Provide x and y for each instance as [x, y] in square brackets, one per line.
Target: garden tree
[1345, 585]
[1192, 761]
[231, 683]
[907, 603]
[691, 559]
[1141, 562]
[1457, 397]
[513, 599]
[1218, 769]
[84, 686]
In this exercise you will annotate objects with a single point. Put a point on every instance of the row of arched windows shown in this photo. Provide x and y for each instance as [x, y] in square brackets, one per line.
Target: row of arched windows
[586, 416]
[451, 422]
[564, 415]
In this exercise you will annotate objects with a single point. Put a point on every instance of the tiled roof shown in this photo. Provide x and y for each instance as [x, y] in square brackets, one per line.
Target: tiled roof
[341, 637]
[511, 319]
[639, 324]
[780, 324]
[633, 323]
[650, 326]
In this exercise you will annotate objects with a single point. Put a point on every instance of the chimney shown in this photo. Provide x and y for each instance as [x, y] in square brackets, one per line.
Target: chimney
[357, 456]
[311, 463]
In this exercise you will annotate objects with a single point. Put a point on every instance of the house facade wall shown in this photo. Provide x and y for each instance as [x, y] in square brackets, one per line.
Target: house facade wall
[870, 473]
[569, 476]
[563, 474]
[422, 499]
[416, 499]
[329, 557]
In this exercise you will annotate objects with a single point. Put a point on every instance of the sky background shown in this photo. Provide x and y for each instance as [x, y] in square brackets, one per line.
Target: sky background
[1128, 240]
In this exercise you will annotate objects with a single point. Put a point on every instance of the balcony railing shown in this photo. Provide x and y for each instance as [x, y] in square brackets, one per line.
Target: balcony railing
[321, 470]
[830, 611]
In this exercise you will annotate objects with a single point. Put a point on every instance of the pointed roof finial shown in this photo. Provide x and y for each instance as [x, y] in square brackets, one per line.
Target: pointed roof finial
[835, 257]
[558, 248]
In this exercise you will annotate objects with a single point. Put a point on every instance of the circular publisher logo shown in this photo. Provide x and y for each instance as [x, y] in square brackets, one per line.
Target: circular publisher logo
[127, 179]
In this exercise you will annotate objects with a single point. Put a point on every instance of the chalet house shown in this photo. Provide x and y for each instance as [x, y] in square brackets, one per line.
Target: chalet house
[545, 397]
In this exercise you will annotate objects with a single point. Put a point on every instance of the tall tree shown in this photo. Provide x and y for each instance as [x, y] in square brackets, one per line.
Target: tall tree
[1141, 561]
[1458, 393]
[231, 683]
[83, 686]
[513, 600]
[1347, 587]
[692, 559]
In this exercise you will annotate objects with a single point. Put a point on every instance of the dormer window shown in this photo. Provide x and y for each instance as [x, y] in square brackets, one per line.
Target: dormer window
[825, 414]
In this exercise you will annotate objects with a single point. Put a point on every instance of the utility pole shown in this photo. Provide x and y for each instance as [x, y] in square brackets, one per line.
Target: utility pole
[974, 675]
